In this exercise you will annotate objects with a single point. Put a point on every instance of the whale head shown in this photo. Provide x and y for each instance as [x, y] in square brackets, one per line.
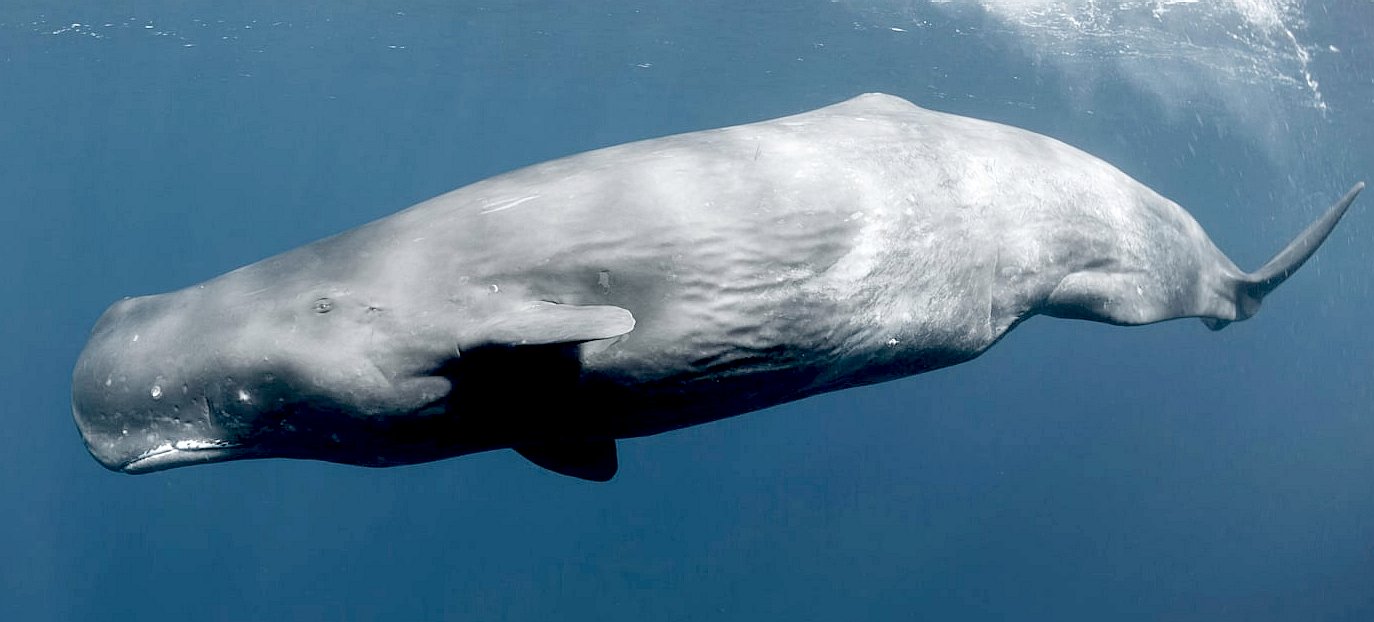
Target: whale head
[228, 370]
[151, 392]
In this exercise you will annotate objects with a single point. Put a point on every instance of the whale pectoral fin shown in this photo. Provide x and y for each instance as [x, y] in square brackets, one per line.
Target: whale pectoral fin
[593, 460]
[545, 323]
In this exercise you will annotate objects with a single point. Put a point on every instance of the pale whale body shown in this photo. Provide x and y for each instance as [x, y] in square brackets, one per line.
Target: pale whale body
[651, 286]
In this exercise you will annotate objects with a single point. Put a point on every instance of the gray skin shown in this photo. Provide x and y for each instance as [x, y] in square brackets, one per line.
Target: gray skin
[650, 286]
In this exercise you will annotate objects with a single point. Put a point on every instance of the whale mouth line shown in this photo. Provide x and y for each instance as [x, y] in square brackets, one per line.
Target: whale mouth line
[180, 453]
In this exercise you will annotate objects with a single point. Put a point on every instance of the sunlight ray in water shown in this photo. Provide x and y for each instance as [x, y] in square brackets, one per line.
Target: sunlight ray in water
[1250, 59]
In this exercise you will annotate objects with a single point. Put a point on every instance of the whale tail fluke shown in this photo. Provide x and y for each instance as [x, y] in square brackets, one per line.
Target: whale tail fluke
[1253, 287]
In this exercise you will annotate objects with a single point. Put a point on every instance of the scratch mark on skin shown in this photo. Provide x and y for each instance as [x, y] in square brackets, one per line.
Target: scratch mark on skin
[508, 204]
[992, 290]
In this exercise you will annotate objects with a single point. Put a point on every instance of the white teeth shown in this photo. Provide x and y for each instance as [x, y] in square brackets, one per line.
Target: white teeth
[174, 454]
[190, 445]
[160, 449]
[200, 444]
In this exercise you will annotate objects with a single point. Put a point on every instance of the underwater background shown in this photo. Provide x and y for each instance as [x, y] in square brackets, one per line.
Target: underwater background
[1075, 472]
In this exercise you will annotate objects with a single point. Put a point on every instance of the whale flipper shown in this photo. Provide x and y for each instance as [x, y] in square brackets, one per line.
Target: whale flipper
[547, 323]
[1253, 287]
[593, 459]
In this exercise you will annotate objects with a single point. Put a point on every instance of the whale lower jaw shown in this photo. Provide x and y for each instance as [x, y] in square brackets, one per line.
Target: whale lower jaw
[182, 453]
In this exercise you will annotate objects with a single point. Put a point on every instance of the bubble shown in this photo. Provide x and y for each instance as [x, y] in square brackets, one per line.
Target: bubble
[156, 392]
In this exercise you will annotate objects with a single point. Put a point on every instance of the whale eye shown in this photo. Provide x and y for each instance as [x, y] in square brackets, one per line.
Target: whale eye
[322, 305]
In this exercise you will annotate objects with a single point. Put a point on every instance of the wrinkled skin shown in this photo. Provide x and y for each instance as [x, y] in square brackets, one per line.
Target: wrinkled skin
[647, 287]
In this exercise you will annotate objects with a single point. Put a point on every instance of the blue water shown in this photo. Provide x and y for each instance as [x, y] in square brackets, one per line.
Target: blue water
[1075, 472]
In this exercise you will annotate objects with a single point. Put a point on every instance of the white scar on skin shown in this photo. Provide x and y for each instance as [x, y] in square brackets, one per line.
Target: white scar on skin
[508, 204]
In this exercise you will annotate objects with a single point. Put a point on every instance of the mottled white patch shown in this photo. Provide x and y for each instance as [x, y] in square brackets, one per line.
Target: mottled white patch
[868, 245]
